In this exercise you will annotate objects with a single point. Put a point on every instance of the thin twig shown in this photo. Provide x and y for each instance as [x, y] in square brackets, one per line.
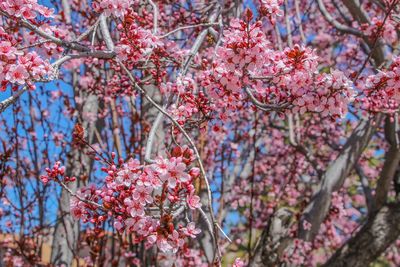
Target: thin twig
[63, 185]
[188, 27]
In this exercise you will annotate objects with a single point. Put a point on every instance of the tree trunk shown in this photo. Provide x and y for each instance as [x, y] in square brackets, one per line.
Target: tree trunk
[273, 241]
[66, 231]
[373, 239]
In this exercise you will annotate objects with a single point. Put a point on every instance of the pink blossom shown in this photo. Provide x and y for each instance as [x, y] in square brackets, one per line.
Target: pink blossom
[191, 230]
[238, 263]
[17, 74]
[142, 194]
[135, 207]
[175, 241]
[175, 172]
[306, 225]
[164, 245]
[117, 8]
[193, 201]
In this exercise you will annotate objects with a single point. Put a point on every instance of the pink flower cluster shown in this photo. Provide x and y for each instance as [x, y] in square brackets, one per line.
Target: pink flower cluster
[298, 256]
[118, 8]
[145, 199]
[26, 9]
[238, 263]
[382, 90]
[387, 30]
[287, 79]
[192, 108]
[188, 257]
[243, 51]
[393, 253]
[55, 174]
[136, 43]
[18, 68]
[13, 260]
[328, 94]
[271, 9]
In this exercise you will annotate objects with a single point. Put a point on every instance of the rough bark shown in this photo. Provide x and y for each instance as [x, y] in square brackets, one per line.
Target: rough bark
[371, 241]
[392, 160]
[206, 240]
[273, 241]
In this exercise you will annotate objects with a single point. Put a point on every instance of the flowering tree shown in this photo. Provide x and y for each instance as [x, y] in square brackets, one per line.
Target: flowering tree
[200, 133]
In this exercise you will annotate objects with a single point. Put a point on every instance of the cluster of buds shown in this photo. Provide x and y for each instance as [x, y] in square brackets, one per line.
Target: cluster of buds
[55, 174]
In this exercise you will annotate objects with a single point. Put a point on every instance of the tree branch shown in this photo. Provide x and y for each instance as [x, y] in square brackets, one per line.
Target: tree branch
[371, 241]
[340, 27]
[37, 30]
[392, 160]
[332, 180]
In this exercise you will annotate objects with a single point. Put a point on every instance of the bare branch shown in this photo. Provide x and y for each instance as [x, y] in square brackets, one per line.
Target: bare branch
[335, 23]
[56, 65]
[106, 33]
[366, 188]
[150, 140]
[155, 16]
[12, 99]
[37, 30]
[188, 27]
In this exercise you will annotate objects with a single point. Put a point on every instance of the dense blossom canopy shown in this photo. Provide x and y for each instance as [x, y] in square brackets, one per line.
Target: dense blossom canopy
[200, 133]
